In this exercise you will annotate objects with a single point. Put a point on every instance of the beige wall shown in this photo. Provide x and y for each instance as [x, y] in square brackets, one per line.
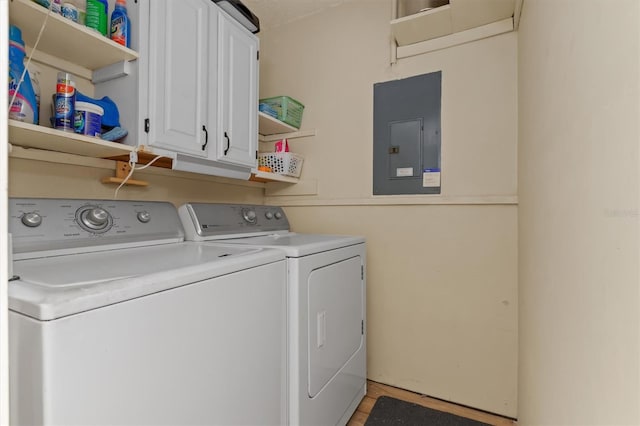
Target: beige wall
[442, 271]
[34, 178]
[579, 103]
[330, 62]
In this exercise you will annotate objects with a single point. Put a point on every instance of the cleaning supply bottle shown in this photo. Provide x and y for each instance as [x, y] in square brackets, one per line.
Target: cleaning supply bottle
[70, 11]
[120, 25]
[81, 5]
[35, 72]
[23, 108]
[96, 15]
[65, 101]
[56, 7]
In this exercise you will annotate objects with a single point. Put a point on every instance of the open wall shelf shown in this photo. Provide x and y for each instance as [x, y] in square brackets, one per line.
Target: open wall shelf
[458, 22]
[65, 39]
[45, 138]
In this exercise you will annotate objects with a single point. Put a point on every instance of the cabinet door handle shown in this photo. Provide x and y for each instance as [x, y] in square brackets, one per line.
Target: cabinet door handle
[206, 137]
[228, 143]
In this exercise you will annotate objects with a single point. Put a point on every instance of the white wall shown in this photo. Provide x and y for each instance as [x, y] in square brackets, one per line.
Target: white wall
[579, 111]
[442, 277]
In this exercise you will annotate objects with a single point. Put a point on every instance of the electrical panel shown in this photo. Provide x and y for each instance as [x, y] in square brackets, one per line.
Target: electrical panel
[407, 135]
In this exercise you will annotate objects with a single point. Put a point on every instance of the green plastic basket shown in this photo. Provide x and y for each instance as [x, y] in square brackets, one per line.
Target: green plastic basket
[289, 110]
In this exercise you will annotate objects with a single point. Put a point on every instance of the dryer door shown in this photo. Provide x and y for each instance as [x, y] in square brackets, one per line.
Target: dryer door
[335, 321]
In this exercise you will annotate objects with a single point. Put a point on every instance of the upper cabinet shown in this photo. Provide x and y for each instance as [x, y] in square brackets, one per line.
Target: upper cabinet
[238, 93]
[192, 96]
[179, 75]
[438, 24]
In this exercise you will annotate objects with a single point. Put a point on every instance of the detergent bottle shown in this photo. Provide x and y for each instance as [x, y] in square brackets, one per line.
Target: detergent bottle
[96, 16]
[23, 108]
[120, 25]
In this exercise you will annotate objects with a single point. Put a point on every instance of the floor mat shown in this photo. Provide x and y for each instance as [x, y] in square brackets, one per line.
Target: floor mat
[391, 411]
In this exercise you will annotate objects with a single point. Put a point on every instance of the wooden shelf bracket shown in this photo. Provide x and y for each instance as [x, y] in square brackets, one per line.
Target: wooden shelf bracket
[123, 169]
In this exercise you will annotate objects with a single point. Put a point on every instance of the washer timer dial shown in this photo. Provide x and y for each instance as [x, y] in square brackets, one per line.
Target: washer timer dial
[249, 215]
[94, 219]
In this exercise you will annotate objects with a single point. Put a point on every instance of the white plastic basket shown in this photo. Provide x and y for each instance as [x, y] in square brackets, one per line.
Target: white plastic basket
[282, 163]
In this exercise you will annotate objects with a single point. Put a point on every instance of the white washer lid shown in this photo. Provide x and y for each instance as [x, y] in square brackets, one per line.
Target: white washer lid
[297, 245]
[54, 287]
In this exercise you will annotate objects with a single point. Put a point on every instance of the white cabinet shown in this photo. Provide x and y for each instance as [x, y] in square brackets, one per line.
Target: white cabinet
[238, 93]
[180, 75]
[194, 90]
[203, 88]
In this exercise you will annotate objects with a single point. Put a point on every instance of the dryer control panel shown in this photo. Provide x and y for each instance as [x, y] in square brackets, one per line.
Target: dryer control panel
[216, 221]
[45, 224]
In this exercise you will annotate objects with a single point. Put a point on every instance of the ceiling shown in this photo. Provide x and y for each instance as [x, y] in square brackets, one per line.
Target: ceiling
[275, 13]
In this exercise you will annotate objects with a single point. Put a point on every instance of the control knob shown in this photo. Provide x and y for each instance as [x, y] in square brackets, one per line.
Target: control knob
[249, 215]
[144, 216]
[278, 215]
[268, 215]
[95, 218]
[31, 219]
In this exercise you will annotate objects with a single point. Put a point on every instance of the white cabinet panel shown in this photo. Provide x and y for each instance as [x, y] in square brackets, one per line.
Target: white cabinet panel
[179, 75]
[238, 97]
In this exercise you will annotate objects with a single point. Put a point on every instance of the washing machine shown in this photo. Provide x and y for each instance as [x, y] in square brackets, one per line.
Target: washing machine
[116, 320]
[326, 304]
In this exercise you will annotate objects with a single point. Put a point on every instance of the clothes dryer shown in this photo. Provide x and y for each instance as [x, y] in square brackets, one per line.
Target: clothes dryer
[326, 286]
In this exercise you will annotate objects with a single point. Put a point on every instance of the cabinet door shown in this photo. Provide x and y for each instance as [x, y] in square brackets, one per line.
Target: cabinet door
[238, 93]
[178, 75]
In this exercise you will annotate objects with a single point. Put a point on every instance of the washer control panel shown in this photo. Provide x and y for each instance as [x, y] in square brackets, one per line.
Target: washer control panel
[39, 224]
[211, 219]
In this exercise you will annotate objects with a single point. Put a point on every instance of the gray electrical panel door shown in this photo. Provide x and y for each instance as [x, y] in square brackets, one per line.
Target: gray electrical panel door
[406, 135]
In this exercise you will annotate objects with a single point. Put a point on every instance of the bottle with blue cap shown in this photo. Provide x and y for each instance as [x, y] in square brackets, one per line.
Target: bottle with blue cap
[96, 16]
[23, 107]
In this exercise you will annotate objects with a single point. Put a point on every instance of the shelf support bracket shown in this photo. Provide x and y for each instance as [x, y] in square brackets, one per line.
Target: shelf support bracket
[123, 169]
[111, 72]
